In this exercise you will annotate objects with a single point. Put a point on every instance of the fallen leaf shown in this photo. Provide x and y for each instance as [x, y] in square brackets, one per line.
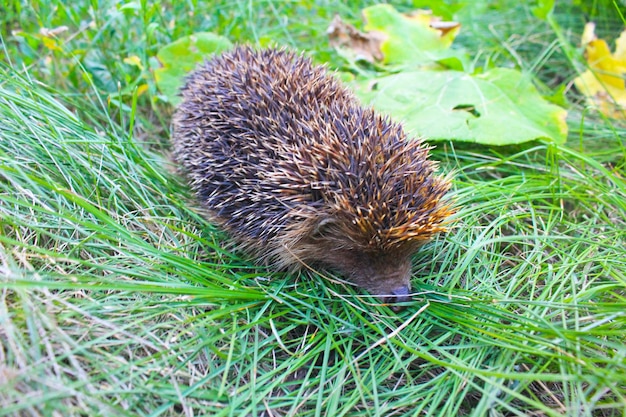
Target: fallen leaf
[603, 83]
[364, 46]
[500, 107]
[416, 39]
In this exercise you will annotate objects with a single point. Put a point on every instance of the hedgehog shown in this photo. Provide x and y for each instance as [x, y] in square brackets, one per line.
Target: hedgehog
[299, 174]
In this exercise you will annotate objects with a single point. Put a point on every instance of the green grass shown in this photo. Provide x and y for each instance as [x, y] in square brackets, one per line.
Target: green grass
[117, 298]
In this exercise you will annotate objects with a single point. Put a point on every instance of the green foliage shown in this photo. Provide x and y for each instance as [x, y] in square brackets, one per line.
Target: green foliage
[499, 107]
[411, 41]
[602, 8]
[543, 8]
[447, 9]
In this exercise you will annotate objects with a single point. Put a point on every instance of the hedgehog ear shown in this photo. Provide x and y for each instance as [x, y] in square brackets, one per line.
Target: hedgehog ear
[323, 226]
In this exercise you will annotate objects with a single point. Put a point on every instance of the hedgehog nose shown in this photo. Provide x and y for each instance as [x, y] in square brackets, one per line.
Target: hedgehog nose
[399, 295]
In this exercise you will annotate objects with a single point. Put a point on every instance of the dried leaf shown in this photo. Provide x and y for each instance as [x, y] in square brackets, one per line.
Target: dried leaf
[414, 39]
[364, 46]
[49, 33]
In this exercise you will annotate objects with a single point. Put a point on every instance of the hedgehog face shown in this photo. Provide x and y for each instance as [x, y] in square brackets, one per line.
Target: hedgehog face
[384, 275]
[338, 245]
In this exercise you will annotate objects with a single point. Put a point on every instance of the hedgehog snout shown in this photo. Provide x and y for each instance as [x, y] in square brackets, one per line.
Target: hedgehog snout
[398, 296]
[387, 277]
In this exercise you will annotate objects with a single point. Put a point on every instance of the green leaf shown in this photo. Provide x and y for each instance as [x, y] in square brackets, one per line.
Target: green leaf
[183, 55]
[543, 8]
[500, 107]
[446, 9]
[411, 40]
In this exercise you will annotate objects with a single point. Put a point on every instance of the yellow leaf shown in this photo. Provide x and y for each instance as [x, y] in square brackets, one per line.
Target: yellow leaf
[133, 60]
[620, 47]
[142, 89]
[51, 44]
[603, 84]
